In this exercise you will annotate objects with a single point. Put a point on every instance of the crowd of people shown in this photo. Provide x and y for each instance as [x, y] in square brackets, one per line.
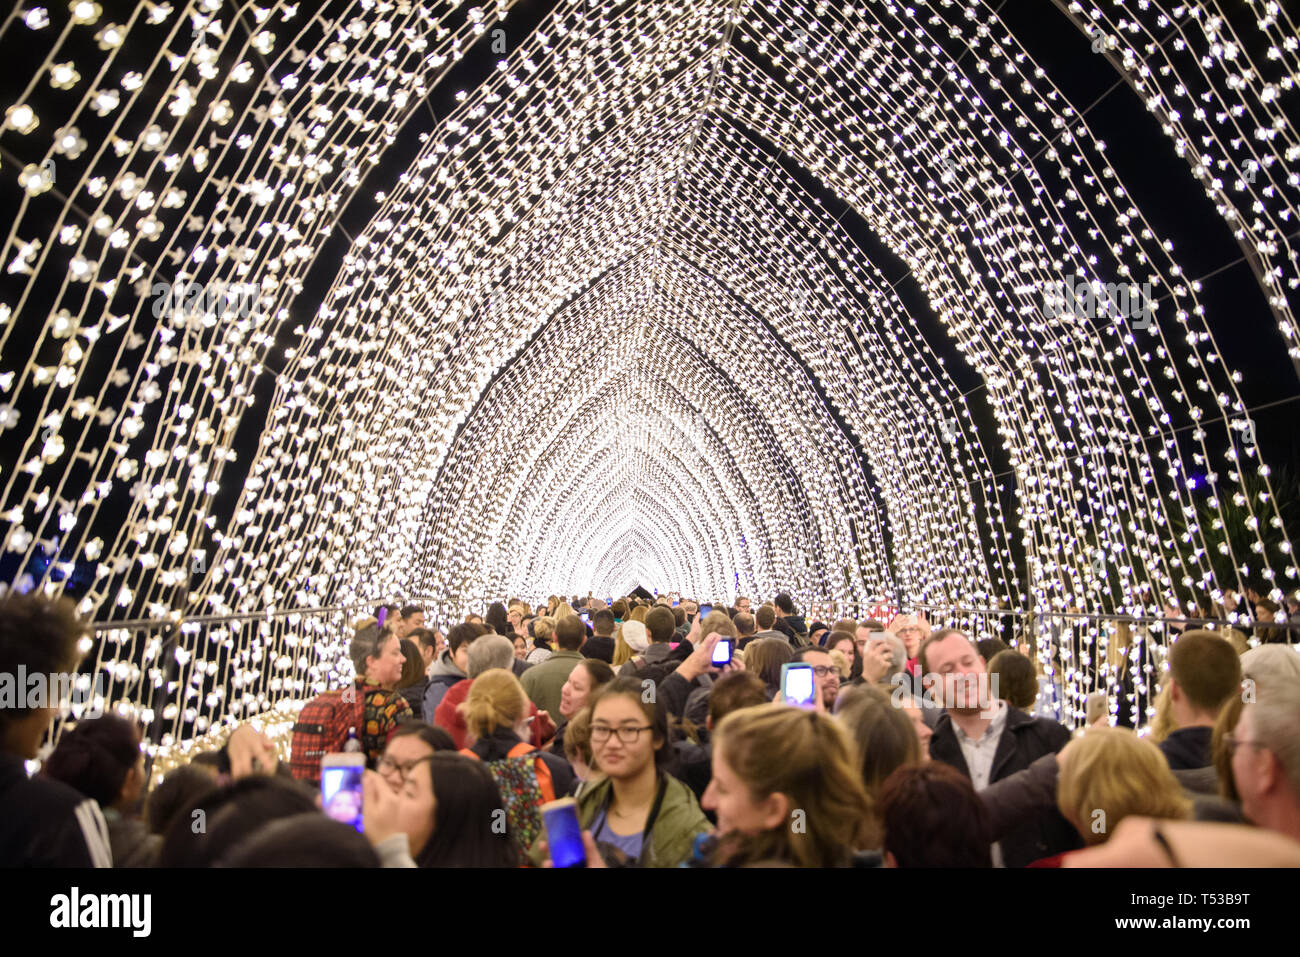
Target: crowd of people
[920, 748]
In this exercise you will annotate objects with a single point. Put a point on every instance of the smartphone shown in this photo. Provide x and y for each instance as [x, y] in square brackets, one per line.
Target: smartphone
[340, 787]
[676, 603]
[704, 611]
[586, 617]
[564, 833]
[797, 684]
[722, 652]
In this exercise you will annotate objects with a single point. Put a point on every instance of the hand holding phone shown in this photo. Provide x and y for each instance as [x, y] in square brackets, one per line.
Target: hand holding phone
[722, 653]
[564, 833]
[341, 788]
[798, 685]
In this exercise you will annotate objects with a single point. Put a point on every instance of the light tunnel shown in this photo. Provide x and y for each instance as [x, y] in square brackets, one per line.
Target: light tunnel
[682, 295]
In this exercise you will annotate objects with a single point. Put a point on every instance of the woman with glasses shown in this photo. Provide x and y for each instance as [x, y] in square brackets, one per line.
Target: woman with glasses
[639, 815]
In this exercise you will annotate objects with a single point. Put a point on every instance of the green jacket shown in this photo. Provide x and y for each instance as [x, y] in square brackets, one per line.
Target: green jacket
[543, 681]
[675, 827]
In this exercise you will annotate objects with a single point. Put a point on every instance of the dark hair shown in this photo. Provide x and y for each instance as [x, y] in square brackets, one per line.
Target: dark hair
[496, 618]
[208, 759]
[388, 608]
[659, 622]
[656, 715]
[409, 610]
[934, 818]
[1206, 667]
[736, 690]
[883, 734]
[744, 623]
[570, 632]
[600, 673]
[679, 616]
[855, 657]
[95, 757]
[467, 830]
[413, 667]
[182, 787]
[463, 634]
[427, 637]
[437, 738]
[602, 623]
[988, 647]
[39, 634]
[784, 603]
[304, 840]
[768, 657]
[1017, 682]
[765, 617]
[228, 815]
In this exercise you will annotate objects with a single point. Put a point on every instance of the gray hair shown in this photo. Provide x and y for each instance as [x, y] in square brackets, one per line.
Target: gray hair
[899, 649]
[1275, 716]
[487, 652]
[1269, 661]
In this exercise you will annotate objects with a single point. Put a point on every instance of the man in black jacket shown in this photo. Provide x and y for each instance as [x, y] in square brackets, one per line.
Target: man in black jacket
[43, 822]
[988, 740]
[601, 644]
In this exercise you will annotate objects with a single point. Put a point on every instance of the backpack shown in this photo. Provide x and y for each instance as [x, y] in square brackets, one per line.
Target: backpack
[322, 728]
[524, 783]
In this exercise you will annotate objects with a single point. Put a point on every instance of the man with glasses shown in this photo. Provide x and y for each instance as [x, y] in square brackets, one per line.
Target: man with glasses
[825, 675]
[1265, 750]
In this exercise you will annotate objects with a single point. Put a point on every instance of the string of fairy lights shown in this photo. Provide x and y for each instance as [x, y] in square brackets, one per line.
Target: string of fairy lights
[609, 325]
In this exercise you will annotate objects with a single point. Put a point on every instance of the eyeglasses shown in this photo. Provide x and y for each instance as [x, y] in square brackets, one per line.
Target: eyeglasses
[387, 766]
[600, 733]
[1235, 742]
[825, 671]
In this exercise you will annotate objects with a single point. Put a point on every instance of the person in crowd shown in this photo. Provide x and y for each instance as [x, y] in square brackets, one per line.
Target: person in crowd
[660, 628]
[765, 619]
[764, 657]
[986, 740]
[497, 720]
[485, 653]
[731, 692]
[880, 651]
[742, 606]
[43, 822]
[745, 628]
[587, 677]
[521, 648]
[883, 735]
[578, 752]
[229, 814]
[543, 682]
[912, 629]
[817, 632]
[517, 617]
[689, 610]
[826, 677]
[638, 814]
[1017, 679]
[1109, 774]
[413, 682]
[496, 619]
[630, 640]
[543, 640]
[430, 643]
[1267, 614]
[932, 817]
[1265, 753]
[410, 617]
[101, 758]
[789, 623]
[183, 786]
[302, 840]
[784, 789]
[388, 613]
[377, 656]
[989, 647]
[1204, 672]
[1149, 843]
[601, 644]
[450, 667]
[848, 648]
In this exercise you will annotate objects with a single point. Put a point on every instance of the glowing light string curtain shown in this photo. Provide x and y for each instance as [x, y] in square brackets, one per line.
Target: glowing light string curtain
[698, 374]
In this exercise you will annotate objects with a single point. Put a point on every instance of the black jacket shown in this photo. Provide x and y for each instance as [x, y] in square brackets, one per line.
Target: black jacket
[46, 823]
[602, 649]
[1024, 740]
[1187, 748]
[414, 695]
